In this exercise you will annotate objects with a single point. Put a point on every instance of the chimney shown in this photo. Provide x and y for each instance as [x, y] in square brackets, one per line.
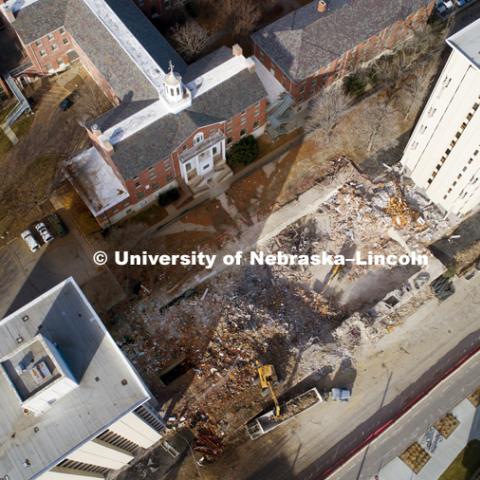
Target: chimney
[95, 135]
[237, 50]
[321, 6]
[7, 10]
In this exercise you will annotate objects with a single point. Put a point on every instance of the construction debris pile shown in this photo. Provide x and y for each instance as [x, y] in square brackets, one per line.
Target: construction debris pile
[277, 314]
[246, 314]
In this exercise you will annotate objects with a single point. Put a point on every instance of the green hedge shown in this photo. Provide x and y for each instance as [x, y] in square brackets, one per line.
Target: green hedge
[243, 152]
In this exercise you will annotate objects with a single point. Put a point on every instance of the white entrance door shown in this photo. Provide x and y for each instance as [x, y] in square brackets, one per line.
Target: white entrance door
[205, 162]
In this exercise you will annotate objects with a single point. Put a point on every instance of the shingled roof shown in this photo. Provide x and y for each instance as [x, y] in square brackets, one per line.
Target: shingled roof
[120, 70]
[305, 40]
[156, 141]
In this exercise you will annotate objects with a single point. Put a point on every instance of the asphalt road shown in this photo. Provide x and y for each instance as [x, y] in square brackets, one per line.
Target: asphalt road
[25, 275]
[389, 375]
[413, 424]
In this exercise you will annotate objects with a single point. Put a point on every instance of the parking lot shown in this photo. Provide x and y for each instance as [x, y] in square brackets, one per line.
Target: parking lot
[25, 275]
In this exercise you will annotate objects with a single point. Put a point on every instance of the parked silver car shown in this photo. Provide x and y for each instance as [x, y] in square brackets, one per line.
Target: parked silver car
[42, 229]
[29, 239]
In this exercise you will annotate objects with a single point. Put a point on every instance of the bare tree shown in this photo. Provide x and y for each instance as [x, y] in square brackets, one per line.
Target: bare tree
[247, 15]
[325, 110]
[242, 17]
[190, 38]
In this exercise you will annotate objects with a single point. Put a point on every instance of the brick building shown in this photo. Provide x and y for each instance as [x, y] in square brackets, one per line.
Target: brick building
[313, 46]
[171, 123]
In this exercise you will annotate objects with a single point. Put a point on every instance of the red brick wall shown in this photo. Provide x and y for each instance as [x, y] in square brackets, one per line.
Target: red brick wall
[48, 52]
[96, 75]
[166, 170]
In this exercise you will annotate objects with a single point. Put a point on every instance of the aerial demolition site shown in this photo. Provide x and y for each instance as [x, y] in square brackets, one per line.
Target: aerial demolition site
[254, 344]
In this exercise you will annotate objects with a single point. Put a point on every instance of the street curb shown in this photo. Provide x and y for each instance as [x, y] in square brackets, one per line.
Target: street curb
[392, 422]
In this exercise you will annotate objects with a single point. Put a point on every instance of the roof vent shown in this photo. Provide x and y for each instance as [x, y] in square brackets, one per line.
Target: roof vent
[322, 6]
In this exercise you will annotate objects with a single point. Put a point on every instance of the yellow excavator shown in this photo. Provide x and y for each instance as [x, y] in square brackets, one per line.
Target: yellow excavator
[267, 376]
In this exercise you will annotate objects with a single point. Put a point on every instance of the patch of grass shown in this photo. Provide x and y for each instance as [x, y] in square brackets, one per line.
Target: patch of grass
[5, 144]
[20, 128]
[22, 125]
[28, 196]
[466, 463]
[150, 216]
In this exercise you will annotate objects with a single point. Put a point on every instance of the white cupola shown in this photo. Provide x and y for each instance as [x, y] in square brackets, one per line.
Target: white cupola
[172, 85]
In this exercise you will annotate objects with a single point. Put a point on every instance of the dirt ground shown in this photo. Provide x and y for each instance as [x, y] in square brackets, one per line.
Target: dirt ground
[29, 170]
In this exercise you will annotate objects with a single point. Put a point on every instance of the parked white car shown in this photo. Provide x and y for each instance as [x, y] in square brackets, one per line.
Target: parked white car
[448, 4]
[42, 229]
[30, 240]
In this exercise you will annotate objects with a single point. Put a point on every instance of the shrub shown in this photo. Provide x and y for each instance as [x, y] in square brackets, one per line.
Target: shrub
[354, 85]
[168, 197]
[243, 152]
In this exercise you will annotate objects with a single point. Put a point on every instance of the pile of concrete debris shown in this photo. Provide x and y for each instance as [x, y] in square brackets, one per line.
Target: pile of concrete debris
[269, 313]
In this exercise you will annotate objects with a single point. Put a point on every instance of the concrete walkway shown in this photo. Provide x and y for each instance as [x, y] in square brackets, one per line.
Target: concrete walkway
[9, 133]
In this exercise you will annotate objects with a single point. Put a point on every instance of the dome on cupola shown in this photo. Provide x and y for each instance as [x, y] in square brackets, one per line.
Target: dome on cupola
[173, 88]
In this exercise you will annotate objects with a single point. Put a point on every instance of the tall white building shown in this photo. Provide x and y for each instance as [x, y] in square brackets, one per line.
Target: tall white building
[443, 154]
[72, 407]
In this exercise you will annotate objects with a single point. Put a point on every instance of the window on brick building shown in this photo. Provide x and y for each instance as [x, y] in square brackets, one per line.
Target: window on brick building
[137, 184]
[62, 30]
[50, 36]
[65, 41]
[38, 43]
[229, 140]
[243, 132]
[54, 46]
[255, 124]
[42, 53]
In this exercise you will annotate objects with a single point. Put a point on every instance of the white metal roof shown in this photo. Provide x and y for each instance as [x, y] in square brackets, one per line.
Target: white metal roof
[467, 42]
[108, 387]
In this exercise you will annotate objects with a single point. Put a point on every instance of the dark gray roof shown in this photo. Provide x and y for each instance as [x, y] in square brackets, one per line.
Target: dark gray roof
[305, 40]
[153, 42]
[206, 63]
[126, 79]
[40, 18]
[160, 138]
[64, 316]
[121, 72]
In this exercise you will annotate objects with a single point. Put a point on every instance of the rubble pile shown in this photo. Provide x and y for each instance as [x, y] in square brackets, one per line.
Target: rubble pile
[245, 314]
[276, 314]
